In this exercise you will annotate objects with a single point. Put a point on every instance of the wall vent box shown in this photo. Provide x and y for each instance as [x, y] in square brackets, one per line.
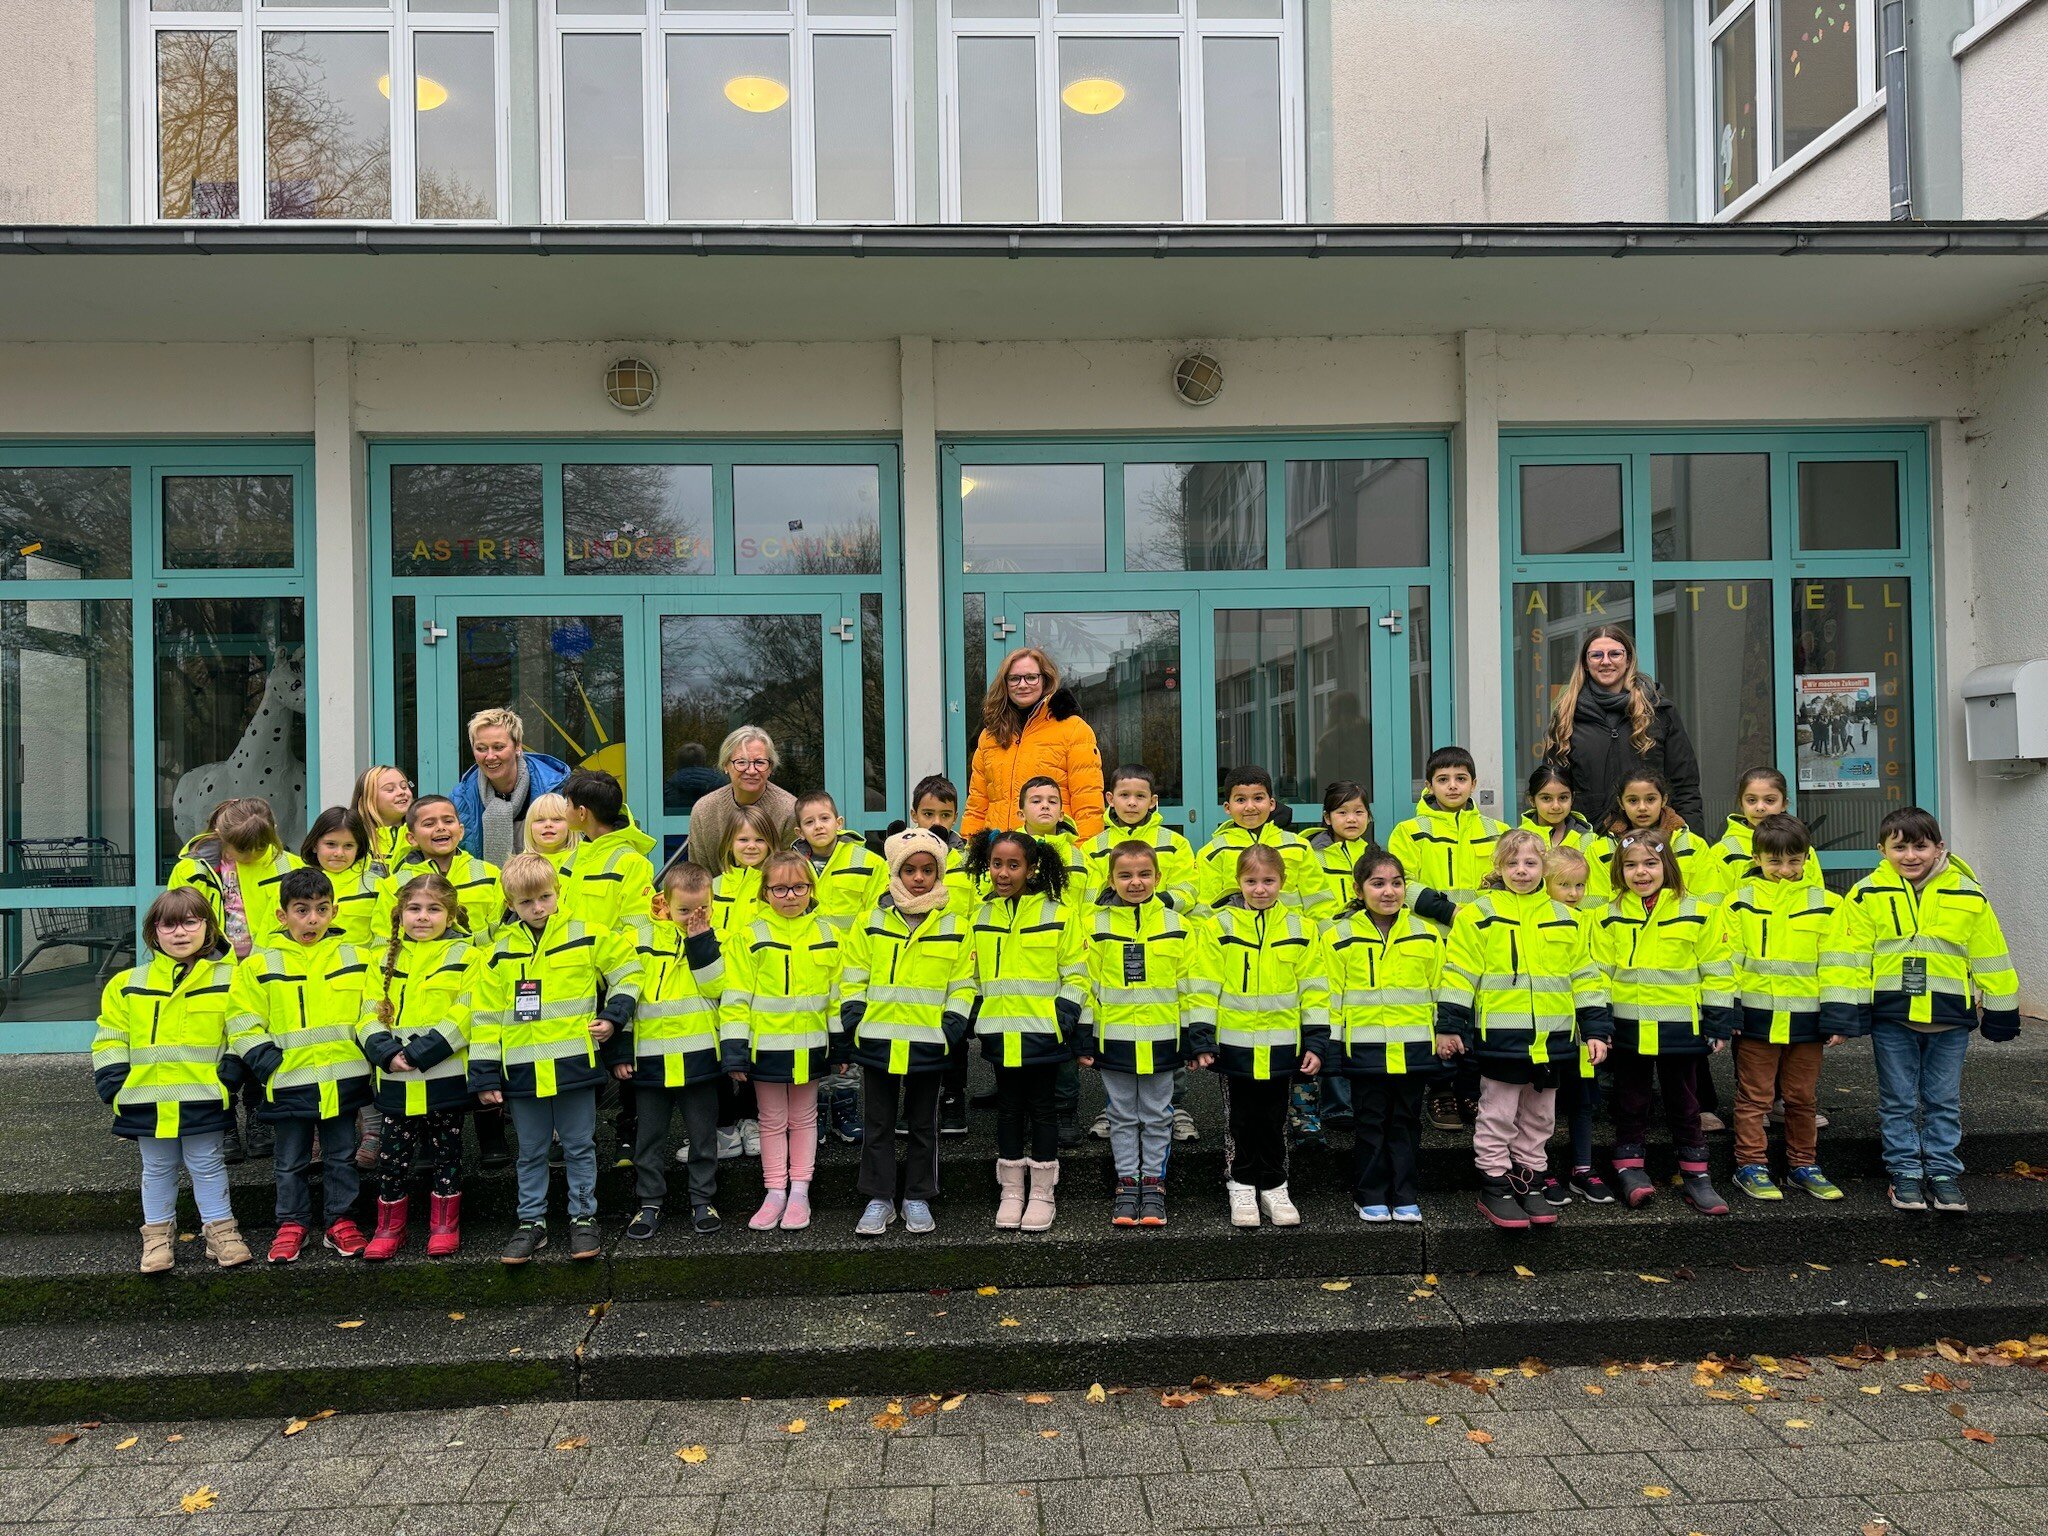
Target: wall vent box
[2005, 711]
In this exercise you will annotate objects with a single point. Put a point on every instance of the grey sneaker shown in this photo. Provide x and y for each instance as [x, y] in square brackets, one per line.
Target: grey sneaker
[917, 1217]
[1100, 1129]
[1907, 1193]
[1945, 1193]
[750, 1137]
[874, 1221]
[528, 1238]
[1184, 1126]
[730, 1145]
[585, 1241]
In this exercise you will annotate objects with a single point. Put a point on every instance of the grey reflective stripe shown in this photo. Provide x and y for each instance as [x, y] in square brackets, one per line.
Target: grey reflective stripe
[1841, 959]
[1992, 965]
[1652, 976]
[779, 1007]
[1848, 995]
[1549, 1024]
[853, 975]
[1261, 1002]
[1771, 1002]
[550, 1050]
[1384, 997]
[1131, 996]
[673, 1008]
[325, 1072]
[2001, 1004]
[170, 1093]
[326, 1034]
[1108, 1031]
[142, 1055]
[908, 997]
[1949, 986]
[793, 1040]
[1654, 1013]
[1777, 967]
[1405, 1034]
[1228, 1035]
[1015, 1024]
[1920, 943]
[871, 1029]
[1008, 988]
[1501, 982]
[447, 1066]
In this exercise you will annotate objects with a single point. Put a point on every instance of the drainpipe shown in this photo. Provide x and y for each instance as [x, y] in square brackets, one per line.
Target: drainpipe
[1898, 108]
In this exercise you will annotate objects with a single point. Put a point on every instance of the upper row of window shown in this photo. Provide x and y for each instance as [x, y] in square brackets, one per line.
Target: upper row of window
[707, 111]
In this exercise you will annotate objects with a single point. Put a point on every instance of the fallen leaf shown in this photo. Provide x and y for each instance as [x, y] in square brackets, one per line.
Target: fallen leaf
[1434, 1418]
[457, 1317]
[834, 1404]
[172, 1439]
[1653, 1491]
[1039, 1398]
[1870, 1391]
[65, 1438]
[1336, 1285]
[1754, 1385]
[987, 1290]
[1524, 1272]
[1952, 1350]
[573, 1443]
[1181, 1399]
[1009, 1322]
[1893, 1263]
[795, 1427]
[1821, 1267]
[1654, 1279]
[202, 1497]
[1478, 1437]
[1722, 1397]
[354, 1323]
[91, 1424]
[128, 1444]
[297, 1426]
[1592, 1389]
[1048, 1434]
[1981, 1436]
[1798, 1424]
[889, 1421]
[693, 1454]
[1429, 1280]
[324, 1413]
[1914, 1386]
[953, 1402]
[1958, 1410]
[1877, 1527]
[1226, 1391]
[1097, 1395]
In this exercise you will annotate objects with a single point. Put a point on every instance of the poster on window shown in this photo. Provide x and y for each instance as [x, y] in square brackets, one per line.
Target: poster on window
[1835, 719]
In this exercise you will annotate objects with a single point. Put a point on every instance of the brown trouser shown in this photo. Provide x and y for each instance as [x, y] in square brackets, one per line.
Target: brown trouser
[1764, 1071]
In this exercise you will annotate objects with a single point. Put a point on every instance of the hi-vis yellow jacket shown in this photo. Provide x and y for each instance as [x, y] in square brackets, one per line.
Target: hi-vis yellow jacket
[674, 1039]
[781, 1004]
[1775, 930]
[906, 988]
[199, 868]
[430, 997]
[1446, 851]
[1336, 860]
[608, 882]
[1669, 984]
[1147, 1009]
[161, 1054]
[292, 1015]
[355, 903]
[850, 879]
[1175, 854]
[1596, 848]
[1304, 890]
[1383, 995]
[1520, 985]
[736, 899]
[1737, 854]
[536, 997]
[477, 892]
[1934, 956]
[1030, 979]
[1266, 975]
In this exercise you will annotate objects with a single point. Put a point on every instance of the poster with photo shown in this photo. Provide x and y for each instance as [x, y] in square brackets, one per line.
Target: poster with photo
[1835, 720]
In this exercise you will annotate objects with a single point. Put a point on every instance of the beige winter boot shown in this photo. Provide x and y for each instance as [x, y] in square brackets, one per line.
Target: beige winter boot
[1010, 1180]
[159, 1246]
[224, 1243]
[1039, 1210]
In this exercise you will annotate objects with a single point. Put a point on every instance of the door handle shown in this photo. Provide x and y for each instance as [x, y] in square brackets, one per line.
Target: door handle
[432, 632]
[1002, 629]
[1391, 623]
[843, 629]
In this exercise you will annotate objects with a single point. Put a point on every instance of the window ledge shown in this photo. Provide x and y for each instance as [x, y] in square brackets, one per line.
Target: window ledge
[1970, 37]
[1818, 149]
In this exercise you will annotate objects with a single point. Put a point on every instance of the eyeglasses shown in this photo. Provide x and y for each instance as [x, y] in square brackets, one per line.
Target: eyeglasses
[173, 924]
[750, 764]
[1027, 677]
[785, 892]
[1607, 655]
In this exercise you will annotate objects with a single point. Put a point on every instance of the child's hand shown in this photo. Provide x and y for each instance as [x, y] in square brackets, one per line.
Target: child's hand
[1203, 1062]
[491, 1098]
[696, 921]
[1715, 1047]
[1448, 1046]
[399, 1064]
[600, 1030]
[1086, 1061]
[738, 1077]
[1834, 1039]
[1596, 1051]
[1311, 1064]
[623, 1071]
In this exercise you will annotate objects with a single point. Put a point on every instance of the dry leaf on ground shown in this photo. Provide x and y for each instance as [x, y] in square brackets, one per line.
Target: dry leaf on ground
[693, 1454]
[795, 1427]
[573, 1443]
[199, 1498]
[1478, 1437]
[1981, 1436]
[953, 1402]
[1097, 1395]
[128, 1444]
[1336, 1285]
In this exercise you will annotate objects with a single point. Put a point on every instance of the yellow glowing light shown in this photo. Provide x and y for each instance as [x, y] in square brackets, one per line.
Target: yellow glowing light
[432, 93]
[756, 93]
[967, 485]
[1093, 97]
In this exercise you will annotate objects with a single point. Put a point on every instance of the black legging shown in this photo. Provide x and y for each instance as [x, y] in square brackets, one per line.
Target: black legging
[438, 1133]
[1024, 1101]
[1255, 1130]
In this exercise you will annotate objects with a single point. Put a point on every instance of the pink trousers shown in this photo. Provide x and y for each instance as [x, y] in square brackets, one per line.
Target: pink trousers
[1515, 1121]
[789, 1132]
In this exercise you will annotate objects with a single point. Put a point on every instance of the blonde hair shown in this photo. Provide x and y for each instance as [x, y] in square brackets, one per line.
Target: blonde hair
[363, 799]
[1262, 856]
[439, 888]
[1642, 708]
[1001, 721]
[1564, 860]
[246, 825]
[786, 862]
[739, 737]
[496, 719]
[685, 878]
[526, 875]
[1511, 842]
[755, 819]
[557, 806]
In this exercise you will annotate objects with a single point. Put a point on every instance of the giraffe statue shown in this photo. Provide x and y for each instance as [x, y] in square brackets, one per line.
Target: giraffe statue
[262, 763]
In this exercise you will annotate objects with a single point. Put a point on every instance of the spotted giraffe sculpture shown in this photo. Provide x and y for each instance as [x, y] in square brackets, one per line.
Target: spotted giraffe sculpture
[263, 762]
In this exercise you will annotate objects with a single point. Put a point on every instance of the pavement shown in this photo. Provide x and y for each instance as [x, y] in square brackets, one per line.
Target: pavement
[1924, 1443]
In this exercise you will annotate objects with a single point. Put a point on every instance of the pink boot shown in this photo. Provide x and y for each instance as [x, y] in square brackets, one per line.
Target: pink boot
[769, 1217]
[797, 1214]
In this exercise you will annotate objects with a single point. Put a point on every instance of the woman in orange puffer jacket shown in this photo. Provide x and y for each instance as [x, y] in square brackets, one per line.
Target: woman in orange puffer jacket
[1030, 726]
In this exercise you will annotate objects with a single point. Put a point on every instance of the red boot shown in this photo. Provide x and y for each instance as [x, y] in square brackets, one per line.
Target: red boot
[390, 1234]
[444, 1225]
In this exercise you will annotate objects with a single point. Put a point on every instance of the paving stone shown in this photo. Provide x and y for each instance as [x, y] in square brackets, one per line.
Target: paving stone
[1304, 1494]
[25, 1490]
[450, 1520]
[1613, 1481]
[1818, 1470]
[528, 1476]
[730, 1468]
[2021, 1507]
[878, 1511]
[680, 1424]
[1413, 1492]
[506, 1426]
[1724, 1519]
[342, 1519]
[1600, 1430]
[1722, 1477]
[1214, 1447]
[986, 1509]
[1092, 1507]
[1824, 1517]
[672, 1516]
[1521, 1483]
[1941, 1514]
[1705, 1426]
[111, 1493]
[321, 1482]
[1528, 1432]
[606, 1425]
[1182, 1501]
[936, 1460]
[1415, 1439]
[1925, 1466]
[1319, 1443]
[557, 1517]
[1107, 1450]
[436, 1477]
[772, 1512]
[1025, 1457]
[1571, 1522]
[828, 1462]
[624, 1472]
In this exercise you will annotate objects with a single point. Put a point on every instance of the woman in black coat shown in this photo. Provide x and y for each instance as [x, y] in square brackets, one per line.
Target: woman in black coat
[1610, 720]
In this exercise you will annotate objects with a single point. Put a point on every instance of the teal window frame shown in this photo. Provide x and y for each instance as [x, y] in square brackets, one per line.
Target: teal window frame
[720, 590]
[1786, 565]
[149, 582]
[1277, 585]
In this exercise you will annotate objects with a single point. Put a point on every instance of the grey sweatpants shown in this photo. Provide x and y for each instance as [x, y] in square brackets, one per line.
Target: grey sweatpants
[571, 1115]
[656, 1108]
[1140, 1122]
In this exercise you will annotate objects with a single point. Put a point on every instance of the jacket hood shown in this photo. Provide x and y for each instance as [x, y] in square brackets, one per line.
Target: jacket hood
[1323, 838]
[1062, 705]
[1572, 823]
[626, 834]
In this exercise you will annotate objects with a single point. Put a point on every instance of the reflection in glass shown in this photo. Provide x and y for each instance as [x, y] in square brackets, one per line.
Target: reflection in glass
[1735, 110]
[1571, 509]
[1294, 695]
[64, 524]
[1852, 680]
[1241, 127]
[67, 741]
[1715, 662]
[723, 670]
[729, 123]
[998, 129]
[1849, 504]
[1710, 506]
[228, 522]
[807, 519]
[636, 519]
[1551, 621]
[198, 126]
[1815, 70]
[405, 684]
[603, 157]
[231, 694]
[874, 714]
[854, 132]
[57, 959]
[456, 137]
[1125, 669]
[1421, 692]
[1031, 517]
[565, 675]
[974, 652]
[327, 125]
[1195, 517]
[1120, 134]
[466, 520]
[1355, 513]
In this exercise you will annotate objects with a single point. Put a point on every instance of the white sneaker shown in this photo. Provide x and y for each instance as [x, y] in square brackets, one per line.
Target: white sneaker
[683, 1152]
[750, 1137]
[1184, 1126]
[1244, 1205]
[1279, 1208]
[730, 1145]
[1100, 1129]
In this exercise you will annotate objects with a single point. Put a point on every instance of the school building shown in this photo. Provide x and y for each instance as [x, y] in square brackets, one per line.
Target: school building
[1305, 377]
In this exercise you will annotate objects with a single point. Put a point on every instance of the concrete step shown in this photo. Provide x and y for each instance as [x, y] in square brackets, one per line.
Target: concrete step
[90, 1276]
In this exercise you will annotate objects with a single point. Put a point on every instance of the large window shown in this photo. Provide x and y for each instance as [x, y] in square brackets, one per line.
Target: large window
[1776, 78]
[1121, 111]
[285, 110]
[1770, 582]
[729, 111]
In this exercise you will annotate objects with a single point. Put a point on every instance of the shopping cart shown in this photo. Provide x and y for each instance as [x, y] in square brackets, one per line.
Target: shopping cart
[73, 863]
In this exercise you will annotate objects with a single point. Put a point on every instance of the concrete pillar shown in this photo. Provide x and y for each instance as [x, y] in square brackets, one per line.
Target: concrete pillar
[924, 600]
[1476, 569]
[341, 576]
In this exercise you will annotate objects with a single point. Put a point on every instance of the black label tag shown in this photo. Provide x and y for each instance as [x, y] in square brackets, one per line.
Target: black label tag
[526, 1002]
[1913, 975]
[1134, 964]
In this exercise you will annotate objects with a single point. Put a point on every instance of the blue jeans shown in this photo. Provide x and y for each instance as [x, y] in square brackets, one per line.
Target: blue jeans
[200, 1156]
[573, 1117]
[293, 1157]
[1920, 1075]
